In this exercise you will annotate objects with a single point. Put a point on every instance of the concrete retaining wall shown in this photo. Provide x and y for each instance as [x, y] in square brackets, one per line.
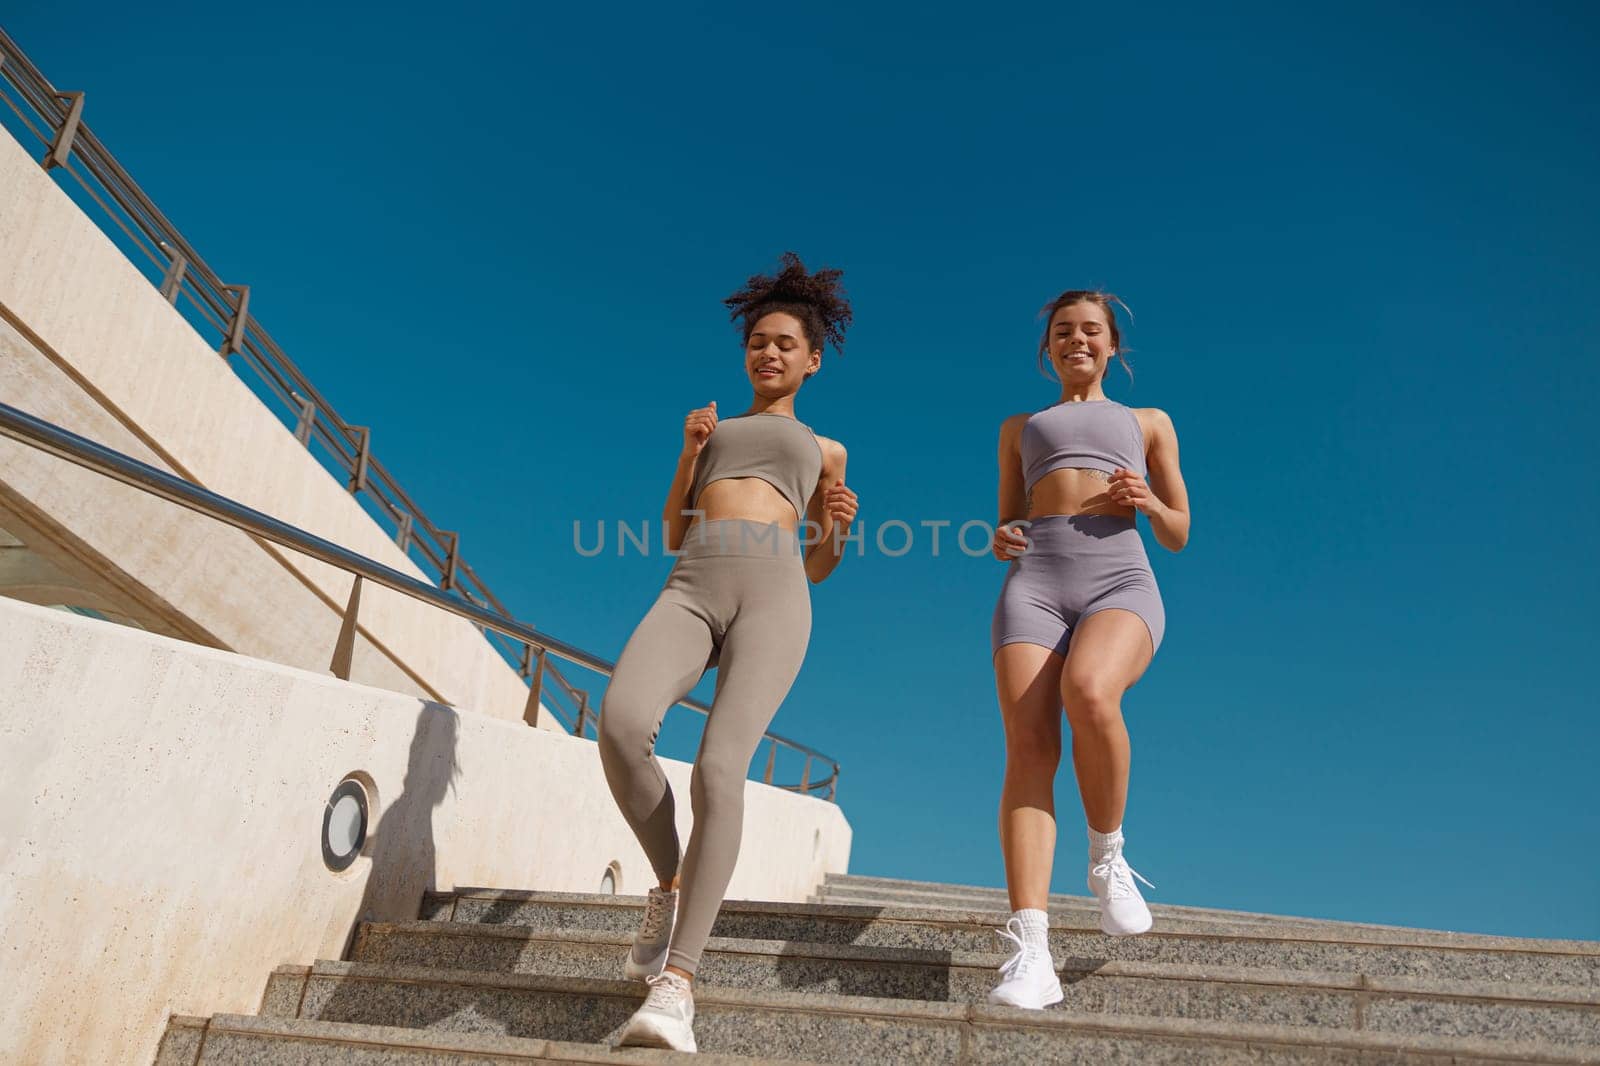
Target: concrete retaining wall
[160, 818]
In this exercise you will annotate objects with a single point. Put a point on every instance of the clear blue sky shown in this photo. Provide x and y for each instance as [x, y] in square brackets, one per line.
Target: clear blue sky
[1360, 245]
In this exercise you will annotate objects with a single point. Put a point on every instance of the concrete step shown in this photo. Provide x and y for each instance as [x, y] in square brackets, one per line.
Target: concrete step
[844, 1029]
[986, 900]
[1374, 952]
[1486, 1011]
[230, 1039]
[854, 888]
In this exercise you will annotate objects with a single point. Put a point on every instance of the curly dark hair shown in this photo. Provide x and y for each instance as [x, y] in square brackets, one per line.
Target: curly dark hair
[817, 300]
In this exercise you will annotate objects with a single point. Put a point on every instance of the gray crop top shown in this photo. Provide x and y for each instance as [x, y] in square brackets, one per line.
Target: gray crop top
[1084, 434]
[775, 448]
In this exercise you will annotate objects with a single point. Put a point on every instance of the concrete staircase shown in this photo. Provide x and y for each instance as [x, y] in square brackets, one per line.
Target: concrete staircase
[881, 971]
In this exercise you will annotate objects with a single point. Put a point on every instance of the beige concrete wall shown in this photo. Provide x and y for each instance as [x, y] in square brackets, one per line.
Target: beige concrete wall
[174, 571]
[160, 810]
[91, 344]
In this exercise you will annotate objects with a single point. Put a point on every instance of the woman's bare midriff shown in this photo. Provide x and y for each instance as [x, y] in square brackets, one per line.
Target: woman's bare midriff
[750, 498]
[1073, 491]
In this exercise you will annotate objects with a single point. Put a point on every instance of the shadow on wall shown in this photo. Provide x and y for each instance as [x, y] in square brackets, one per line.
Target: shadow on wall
[401, 845]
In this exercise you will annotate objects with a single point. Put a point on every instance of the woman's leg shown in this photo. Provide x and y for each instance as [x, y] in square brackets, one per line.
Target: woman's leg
[1027, 680]
[1110, 650]
[761, 656]
[664, 658]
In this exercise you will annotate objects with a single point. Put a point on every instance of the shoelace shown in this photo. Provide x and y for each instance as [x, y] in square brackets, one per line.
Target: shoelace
[1026, 955]
[655, 915]
[1115, 869]
[667, 990]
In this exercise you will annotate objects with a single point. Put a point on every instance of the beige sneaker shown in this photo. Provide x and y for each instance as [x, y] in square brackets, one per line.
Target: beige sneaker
[648, 955]
[667, 1017]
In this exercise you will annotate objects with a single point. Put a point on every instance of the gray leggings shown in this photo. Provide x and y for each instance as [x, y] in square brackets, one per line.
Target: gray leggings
[737, 598]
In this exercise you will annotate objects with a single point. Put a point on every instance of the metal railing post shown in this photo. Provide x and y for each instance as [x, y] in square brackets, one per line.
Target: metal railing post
[805, 775]
[530, 712]
[344, 652]
[358, 479]
[61, 147]
[451, 558]
[583, 714]
[772, 757]
[402, 536]
[308, 419]
[172, 280]
[234, 341]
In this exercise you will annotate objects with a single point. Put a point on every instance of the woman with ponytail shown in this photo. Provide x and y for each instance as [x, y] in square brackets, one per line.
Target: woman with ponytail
[1078, 620]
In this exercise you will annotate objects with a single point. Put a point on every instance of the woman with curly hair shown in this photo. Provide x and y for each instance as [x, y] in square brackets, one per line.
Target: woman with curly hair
[1078, 620]
[737, 598]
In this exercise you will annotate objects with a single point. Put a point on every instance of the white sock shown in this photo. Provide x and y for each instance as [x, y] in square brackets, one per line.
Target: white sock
[1103, 844]
[1035, 927]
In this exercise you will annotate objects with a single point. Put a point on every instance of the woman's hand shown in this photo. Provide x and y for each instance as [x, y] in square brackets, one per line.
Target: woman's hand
[1131, 490]
[697, 428]
[1008, 543]
[840, 504]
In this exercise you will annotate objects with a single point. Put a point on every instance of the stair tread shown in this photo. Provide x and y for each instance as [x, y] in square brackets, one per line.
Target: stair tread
[1399, 936]
[533, 1049]
[1062, 1023]
[1575, 995]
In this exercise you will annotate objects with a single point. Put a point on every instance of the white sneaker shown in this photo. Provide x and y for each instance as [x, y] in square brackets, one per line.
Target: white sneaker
[1122, 908]
[1027, 979]
[648, 955]
[666, 1019]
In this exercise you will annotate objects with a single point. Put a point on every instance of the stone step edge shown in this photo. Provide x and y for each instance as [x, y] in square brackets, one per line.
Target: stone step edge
[1427, 940]
[975, 1015]
[976, 897]
[1434, 988]
[1078, 905]
[511, 1048]
[863, 883]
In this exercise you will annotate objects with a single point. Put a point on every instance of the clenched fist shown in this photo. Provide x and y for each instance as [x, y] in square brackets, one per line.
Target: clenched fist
[840, 504]
[697, 428]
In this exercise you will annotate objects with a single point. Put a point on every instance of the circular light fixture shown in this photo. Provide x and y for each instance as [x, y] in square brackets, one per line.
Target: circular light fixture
[344, 825]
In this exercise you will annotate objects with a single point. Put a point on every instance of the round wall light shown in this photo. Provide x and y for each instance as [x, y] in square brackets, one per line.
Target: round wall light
[344, 825]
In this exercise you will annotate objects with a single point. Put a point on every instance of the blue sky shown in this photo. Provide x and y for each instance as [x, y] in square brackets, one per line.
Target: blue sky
[1360, 249]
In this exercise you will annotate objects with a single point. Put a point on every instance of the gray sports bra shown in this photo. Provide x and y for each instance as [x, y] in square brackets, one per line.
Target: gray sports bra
[1086, 434]
[775, 448]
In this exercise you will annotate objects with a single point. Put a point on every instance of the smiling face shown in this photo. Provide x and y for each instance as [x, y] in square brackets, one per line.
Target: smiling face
[1082, 341]
[778, 357]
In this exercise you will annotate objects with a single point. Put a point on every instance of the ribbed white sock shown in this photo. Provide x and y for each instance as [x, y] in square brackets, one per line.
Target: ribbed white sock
[1103, 844]
[1035, 927]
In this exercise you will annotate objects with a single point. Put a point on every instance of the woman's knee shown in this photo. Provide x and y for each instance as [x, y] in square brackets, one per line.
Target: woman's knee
[626, 725]
[1093, 700]
[1034, 746]
[716, 785]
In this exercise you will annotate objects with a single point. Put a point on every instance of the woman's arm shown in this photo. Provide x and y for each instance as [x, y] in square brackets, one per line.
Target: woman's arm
[1013, 506]
[1165, 499]
[697, 429]
[831, 509]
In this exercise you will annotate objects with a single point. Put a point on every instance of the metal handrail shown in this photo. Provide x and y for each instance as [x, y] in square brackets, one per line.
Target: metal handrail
[64, 444]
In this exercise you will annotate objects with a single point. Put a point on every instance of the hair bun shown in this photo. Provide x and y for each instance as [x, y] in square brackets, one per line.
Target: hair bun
[822, 293]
